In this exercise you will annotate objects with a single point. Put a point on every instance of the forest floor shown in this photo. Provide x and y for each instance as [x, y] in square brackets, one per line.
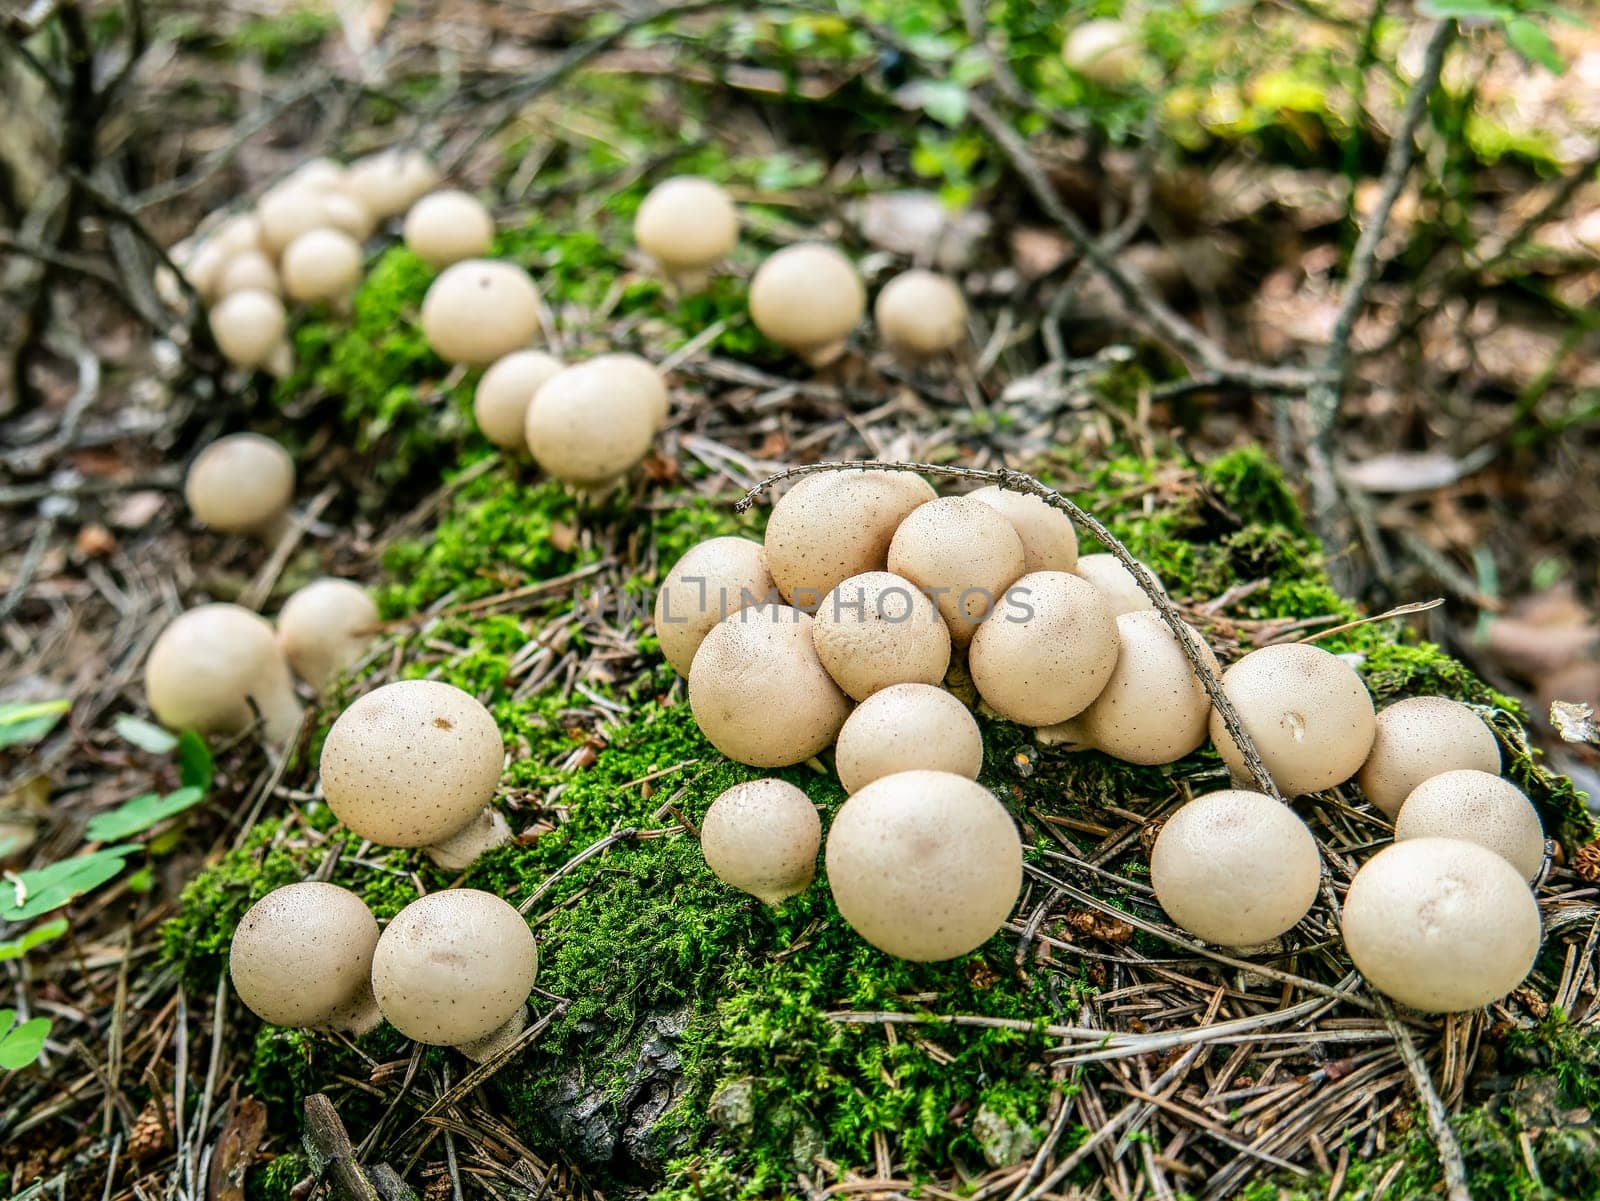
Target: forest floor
[687, 1045]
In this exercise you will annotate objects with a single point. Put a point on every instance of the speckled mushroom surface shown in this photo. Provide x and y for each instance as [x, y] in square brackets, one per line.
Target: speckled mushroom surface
[411, 763]
[1116, 582]
[712, 580]
[759, 692]
[241, 483]
[1047, 652]
[478, 310]
[1235, 868]
[303, 953]
[589, 424]
[925, 865]
[907, 727]
[1049, 541]
[1153, 709]
[834, 525]
[454, 967]
[210, 664]
[1307, 711]
[1479, 807]
[1419, 738]
[964, 554]
[500, 403]
[1440, 924]
[762, 837]
[876, 629]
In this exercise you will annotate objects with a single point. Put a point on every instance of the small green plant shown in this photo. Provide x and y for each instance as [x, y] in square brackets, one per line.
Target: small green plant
[28, 721]
[22, 1042]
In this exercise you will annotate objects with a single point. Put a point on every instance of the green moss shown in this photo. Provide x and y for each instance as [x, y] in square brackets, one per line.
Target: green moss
[275, 1179]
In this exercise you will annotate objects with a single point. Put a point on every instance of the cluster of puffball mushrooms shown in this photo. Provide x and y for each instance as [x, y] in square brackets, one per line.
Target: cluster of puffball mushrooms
[839, 630]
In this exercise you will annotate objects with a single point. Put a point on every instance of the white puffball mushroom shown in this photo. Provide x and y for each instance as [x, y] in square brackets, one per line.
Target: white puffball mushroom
[1153, 709]
[415, 764]
[202, 266]
[907, 727]
[1419, 738]
[808, 298]
[390, 182]
[878, 629]
[241, 484]
[213, 667]
[1048, 650]
[454, 969]
[687, 225]
[477, 311]
[285, 214]
[235, 234]
[711, 581]
[1306, 710]
[448, 226]
[249, 270]
[644, 378]
[964, 554]
[1116, 582]
[1103, 50]
[1441, 925]
[248, 327]
[501, 401]
[1049, 541]
[301, 957]
[762, 838]
[348, 215]
[322, 265]
[925, 865]
[1480, 807]
[759, 692]
[920, 314]
[325, 627]
[590, 424]
[1235, 868]
[836, 524]
[315, 175]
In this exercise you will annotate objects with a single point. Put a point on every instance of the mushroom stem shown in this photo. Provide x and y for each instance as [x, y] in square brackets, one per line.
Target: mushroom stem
[484, 832]
[281, 712]
[357, 1016]
[1069, 735]
[480, 1050]
[688, 281]
[821, 356]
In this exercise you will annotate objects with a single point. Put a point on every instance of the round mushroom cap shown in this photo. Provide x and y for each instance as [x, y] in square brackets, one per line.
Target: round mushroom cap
[758, 691]
[591, 423]
[411, 763]
[1116, 582]
[454, 966]
[1440, 924]
[303, 952]
[1104, 50]
[201, 265]
[446, 227]
[903, 728]
[249, 270]
[248, 326]
[1306, 710]
[1420, 738]
[345, 213]
[1235, 868]
[1476, 806]
[316, 175]
[235, 234]
[325, 627]
[1047, 652]
[1153, 709]
[878, 629]
[686, 223]
[1049, 542]
[240, 484]
[207, 667]
[643, 377]
[506, 390]
[921, 313]
[964, 554]
[762, 838]
[323, 264]
[836, 524]
[286, 213]
[925, 865]
[712, 580]
[390, 182]
[478, 310]
[807, 297]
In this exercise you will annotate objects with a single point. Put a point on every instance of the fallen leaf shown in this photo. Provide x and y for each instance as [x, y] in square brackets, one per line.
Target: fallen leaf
[1403, 471]
[1574, 721]
[236, 1150]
